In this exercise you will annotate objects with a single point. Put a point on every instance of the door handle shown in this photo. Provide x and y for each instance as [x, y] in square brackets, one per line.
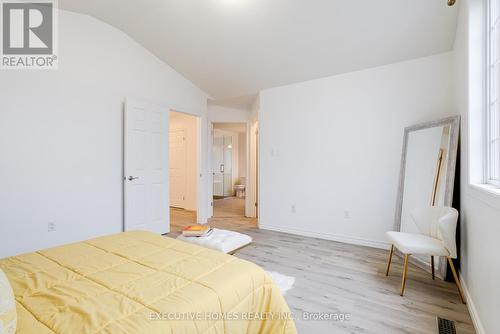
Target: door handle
[132, 178]
[222, 168]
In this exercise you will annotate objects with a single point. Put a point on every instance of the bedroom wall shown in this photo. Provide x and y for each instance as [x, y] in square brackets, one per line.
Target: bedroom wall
[61, 134]
[335, 145]
[480, 209]
[226, 114]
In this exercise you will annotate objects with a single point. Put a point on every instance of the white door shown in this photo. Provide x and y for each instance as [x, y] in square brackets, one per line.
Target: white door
[211, 175]
[218, 166]
[178, 165]
[146, 167]
[222, 162]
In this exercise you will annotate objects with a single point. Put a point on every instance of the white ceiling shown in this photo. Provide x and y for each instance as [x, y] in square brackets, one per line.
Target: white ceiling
[232, 48]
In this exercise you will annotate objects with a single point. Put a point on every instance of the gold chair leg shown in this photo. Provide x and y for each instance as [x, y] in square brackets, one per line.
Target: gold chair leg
[405, 269]
[455, 276]
[390, 259]
[432, 265]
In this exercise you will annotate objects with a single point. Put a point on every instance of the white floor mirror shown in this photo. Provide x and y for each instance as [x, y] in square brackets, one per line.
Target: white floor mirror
[427, 175]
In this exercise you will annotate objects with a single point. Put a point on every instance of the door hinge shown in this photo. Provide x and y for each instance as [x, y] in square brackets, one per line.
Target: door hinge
[183, 198]
[211, 203]
[256, 204]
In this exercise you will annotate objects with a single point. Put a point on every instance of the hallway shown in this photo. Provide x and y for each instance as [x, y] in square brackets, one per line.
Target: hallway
[228, 213]
[229, 207]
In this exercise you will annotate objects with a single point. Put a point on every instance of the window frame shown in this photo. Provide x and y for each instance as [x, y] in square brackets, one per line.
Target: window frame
[488, 136]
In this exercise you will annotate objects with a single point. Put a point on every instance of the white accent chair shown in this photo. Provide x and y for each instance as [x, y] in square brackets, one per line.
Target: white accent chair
[437, 226]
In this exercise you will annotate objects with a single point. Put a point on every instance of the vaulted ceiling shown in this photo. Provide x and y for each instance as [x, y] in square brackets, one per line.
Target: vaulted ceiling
[232, 48]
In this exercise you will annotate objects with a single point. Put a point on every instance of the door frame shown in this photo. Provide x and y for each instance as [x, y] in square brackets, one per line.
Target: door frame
[199, 174]
[254, 170]
[248, 135]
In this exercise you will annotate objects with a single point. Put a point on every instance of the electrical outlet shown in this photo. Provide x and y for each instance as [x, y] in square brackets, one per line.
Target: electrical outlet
[293, 208]
[347, 214]
[51, 226]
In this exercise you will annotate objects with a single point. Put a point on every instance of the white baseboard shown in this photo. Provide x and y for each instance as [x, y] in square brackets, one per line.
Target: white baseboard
[476, 321]
[327, 236]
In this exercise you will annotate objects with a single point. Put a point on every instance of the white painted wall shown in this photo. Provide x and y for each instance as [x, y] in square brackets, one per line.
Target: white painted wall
[226, 114]
[335, 145]
[480, 209]
[179, 121]
[61, 134]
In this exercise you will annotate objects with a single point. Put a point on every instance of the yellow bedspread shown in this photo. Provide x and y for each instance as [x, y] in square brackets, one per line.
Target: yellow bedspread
[139, 282]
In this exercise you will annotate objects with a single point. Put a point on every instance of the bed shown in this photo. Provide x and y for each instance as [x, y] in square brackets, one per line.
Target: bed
[140, 282]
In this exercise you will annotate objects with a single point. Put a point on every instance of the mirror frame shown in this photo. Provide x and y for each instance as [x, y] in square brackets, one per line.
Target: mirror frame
[454, 123]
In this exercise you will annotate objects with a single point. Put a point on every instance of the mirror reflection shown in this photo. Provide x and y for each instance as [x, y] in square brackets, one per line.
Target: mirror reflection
[425, 173]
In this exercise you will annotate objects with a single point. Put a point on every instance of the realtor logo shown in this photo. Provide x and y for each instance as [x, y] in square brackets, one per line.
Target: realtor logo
[28, 34]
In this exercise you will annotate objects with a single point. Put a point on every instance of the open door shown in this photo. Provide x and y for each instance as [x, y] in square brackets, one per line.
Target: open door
[178, 166]
[211, 175]
[146, 187]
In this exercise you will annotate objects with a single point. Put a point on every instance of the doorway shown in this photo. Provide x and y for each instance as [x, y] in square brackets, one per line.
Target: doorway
[183, 169]
[229, 169]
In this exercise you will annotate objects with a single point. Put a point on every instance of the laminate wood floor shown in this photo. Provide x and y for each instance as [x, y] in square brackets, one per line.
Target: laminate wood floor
[229, 207]
[338, 278]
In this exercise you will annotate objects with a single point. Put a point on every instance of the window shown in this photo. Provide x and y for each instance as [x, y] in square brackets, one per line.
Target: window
[493, 94]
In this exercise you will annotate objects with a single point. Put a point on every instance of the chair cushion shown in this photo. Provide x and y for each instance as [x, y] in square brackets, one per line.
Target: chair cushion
[410, 243]
[221, 240]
